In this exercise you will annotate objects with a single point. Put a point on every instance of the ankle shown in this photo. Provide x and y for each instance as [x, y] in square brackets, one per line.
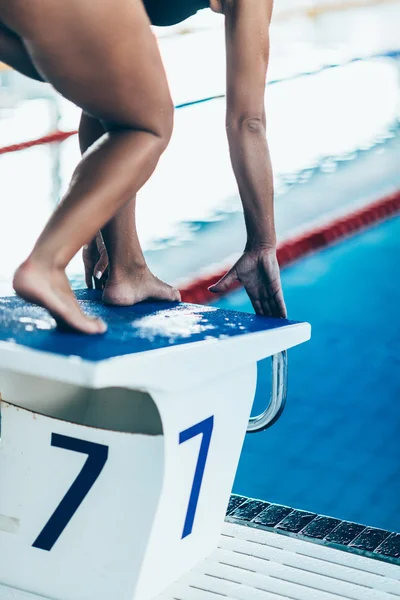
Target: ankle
[121, 272]
[45, 260]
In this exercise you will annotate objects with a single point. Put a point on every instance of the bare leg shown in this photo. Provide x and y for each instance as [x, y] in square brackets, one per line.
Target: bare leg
[129, 280]
[67, 47]
[14, 54]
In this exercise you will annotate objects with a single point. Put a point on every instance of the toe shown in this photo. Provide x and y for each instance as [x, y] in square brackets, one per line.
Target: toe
[171, 294]
[80, 323]
[101, 326]
[93, 326]
[177, 295]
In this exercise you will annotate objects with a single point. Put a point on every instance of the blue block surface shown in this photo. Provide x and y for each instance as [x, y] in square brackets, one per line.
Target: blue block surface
[146, 326]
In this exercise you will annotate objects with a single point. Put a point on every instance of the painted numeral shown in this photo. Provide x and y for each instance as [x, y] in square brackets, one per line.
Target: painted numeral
[205, 429]
[97, 458]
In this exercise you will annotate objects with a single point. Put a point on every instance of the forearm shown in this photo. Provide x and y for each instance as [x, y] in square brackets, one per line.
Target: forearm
[253, 171]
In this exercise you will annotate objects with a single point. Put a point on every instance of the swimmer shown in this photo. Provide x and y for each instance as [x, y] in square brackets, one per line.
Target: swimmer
[103, 57]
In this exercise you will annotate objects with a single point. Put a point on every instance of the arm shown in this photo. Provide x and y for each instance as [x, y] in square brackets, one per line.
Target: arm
[247, 52]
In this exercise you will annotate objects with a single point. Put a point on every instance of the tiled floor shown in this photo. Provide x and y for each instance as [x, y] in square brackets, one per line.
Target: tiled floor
[257, 565]
[250, 564]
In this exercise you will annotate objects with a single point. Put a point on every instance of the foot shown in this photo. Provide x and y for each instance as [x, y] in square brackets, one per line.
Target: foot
[49, 287]
[126, 290]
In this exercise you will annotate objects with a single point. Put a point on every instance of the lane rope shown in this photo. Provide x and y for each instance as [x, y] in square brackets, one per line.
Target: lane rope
[60, 136]
[57, 136]
[292, 249]
[304, 244]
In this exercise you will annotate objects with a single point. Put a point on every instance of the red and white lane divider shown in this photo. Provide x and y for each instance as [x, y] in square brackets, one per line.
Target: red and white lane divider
[289, 251]
[293, 249]
[57, 136]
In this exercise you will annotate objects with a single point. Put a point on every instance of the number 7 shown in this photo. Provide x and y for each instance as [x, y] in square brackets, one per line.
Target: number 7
[204, 428]
[97, 458]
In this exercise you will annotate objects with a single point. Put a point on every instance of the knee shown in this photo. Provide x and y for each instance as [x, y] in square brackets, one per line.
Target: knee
[163, 124]
[158, 123]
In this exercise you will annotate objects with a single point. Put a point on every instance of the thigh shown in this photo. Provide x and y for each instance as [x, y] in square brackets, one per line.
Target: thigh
[100, 54]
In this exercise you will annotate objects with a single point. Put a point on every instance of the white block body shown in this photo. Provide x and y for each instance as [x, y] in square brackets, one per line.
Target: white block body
[118, 454]
[100, 551]
[124, 541]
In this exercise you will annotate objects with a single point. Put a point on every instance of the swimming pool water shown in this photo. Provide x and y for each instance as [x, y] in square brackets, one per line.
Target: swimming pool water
[336, 449]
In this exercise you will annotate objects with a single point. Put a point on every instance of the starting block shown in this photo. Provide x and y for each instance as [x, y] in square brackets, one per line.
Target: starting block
[118, 452]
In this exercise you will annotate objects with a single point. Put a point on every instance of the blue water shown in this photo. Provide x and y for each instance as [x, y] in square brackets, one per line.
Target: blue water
[336, 449]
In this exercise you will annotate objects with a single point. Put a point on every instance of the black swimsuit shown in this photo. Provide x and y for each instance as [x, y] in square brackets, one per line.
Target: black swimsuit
[170, 12]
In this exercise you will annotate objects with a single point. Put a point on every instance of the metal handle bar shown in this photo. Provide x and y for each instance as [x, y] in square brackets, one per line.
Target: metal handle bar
[278, 395]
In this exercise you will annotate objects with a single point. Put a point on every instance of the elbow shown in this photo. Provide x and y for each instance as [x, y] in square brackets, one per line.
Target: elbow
[255, 125]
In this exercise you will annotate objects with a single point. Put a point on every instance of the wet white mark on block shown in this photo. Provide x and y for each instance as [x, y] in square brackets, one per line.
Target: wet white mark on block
[9, 524]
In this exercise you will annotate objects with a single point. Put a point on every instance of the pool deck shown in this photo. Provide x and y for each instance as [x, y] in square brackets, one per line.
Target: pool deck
[272, 552]
[252, 564]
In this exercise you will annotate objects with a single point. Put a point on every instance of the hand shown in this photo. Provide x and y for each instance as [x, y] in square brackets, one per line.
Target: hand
[95, 260]
[258, 271]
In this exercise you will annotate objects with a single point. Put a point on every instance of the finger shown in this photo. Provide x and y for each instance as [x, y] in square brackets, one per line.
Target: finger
[105, 276]
[100, 267]
[88, 278]
[258, 309]
[277, 304]
[280, 306]
[99, 242]
[266, 306]
[98, 279]
[225, 283]
[99, 271]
